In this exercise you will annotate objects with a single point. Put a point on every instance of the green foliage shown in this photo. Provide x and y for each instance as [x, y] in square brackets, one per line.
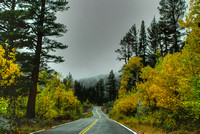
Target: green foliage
[13, 108]
[100, 88]
[129, 45]
[54, 101]
[111, 86]
[154, 42]
[130, 75]
[28, 25]
[143, 43]
[44, 106]
[3, 106]
[68, 81]
[97, 91]
[196, 87]
[86, 103]
[170, 31]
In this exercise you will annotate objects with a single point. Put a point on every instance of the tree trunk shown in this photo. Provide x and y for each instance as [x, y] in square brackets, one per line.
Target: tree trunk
[33, 90]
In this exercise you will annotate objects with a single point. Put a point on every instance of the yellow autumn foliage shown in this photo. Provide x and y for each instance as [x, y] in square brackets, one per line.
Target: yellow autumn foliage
[166, 85]
[13, 107]
[44, 105]
[55, 101]
[126, 105]
[130, 70]
[169, 94]
[9, 71]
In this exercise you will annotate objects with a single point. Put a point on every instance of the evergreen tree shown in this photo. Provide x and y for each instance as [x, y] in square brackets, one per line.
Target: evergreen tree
[100, 91]
[111, 86]
[165, 38]
[27, 25]
[154, 41]
[43, 26]
[78, 90]
[134, 39]
[129, 45]
[171, 11]
[15, 29]
[68, 81]
[91, 95]
[125, 50]
[13, 25]
[143, 43]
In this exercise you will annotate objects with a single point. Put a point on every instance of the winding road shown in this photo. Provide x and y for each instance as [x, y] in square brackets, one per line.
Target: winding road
[98, 124]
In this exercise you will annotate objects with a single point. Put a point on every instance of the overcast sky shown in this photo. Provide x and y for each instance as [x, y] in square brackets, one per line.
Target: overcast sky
[95, 28]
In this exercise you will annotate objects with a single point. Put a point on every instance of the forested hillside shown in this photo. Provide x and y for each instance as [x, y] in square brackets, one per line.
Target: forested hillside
[91, 81]
[98, 90]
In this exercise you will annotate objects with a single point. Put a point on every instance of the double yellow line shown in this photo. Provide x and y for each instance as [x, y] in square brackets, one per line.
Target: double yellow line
[91, 125]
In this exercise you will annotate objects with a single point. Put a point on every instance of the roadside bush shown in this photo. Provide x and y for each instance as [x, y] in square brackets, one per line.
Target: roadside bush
[126, 105]
[54, 101]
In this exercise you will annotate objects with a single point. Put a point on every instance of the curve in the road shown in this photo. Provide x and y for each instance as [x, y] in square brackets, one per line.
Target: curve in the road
[98, 124]
[91, 125]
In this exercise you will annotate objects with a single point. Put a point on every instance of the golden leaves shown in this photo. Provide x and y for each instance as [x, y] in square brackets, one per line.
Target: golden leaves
[9, 71]
[54, 100]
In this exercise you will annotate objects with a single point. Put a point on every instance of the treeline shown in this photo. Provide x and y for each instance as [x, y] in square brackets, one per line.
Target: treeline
[160, 83]
[105, 90]
[164, 35]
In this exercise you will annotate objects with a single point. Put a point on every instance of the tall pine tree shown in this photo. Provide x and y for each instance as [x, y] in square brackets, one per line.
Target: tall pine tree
[129, 45]
[171, 11]
[14, 28]
[154, 40]
[111, 86]
[100, 92]
[132, 40]
[143, 43]
[13, 25]
[125, 52]
[44, 26]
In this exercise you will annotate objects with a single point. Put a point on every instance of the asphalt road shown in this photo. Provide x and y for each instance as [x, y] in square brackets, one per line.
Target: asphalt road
[98, 124]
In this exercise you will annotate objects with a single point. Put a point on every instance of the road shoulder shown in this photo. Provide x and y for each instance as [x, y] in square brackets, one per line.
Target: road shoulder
[131, 130]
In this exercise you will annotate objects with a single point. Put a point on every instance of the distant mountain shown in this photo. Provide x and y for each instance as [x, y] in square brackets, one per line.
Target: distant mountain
[91, 81]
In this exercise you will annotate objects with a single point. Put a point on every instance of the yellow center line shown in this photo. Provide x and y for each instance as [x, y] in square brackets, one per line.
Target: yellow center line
[98, 114]
[91, 125]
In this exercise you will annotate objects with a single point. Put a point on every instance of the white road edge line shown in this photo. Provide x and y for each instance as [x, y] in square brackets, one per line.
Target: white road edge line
[121, 124]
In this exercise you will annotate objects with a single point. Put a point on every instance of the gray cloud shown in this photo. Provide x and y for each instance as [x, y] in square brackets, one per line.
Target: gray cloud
[95, 30]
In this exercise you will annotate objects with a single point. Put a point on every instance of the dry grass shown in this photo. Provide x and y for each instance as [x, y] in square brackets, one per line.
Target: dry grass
[135, 125]
[147, 129]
